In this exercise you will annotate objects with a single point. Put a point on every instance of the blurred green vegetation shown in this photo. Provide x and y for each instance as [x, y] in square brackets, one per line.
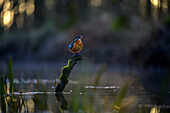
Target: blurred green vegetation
[120, 23]
[167, 20]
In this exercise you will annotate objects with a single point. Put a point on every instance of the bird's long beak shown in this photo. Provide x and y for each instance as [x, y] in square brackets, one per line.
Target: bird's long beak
[82, 36]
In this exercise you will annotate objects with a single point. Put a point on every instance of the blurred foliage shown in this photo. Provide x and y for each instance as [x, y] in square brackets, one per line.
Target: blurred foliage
[114, 1]
[72, 16]
[41, 33]
[167, 20]
[120, 23]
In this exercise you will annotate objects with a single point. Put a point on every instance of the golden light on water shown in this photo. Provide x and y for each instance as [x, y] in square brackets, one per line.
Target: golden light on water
[30, 7]
[8, 18]
[155, 2]
[96, 3]
[22, 7]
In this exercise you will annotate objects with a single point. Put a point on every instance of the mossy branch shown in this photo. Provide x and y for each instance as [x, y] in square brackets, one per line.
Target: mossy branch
[66, 70]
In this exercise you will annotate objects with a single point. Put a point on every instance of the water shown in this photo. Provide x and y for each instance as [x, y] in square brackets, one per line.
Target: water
[82, 99]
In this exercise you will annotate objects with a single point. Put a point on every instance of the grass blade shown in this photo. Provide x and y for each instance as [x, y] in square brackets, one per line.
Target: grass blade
[10, 76]
[121, 96]
[99, 74]
[36, 86]
[3, 105]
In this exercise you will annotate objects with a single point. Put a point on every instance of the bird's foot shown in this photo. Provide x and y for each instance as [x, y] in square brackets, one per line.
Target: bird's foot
[77, 56]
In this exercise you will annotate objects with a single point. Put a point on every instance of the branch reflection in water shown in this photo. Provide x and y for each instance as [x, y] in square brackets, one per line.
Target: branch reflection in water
[62, 101]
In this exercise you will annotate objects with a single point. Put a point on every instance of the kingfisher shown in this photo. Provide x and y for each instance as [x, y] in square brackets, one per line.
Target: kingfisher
[77, 45]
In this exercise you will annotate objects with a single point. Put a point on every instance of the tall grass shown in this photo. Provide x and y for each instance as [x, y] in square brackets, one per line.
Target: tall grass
[55, 80]
[3, 105]
[11, 88]
[117, 103]
[36, 86]
[99, 74]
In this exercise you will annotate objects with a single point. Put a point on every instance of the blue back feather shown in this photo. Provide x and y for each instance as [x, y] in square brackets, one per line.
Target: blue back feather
[72, 44]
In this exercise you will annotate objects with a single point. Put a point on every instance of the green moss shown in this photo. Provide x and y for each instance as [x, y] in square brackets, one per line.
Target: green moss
[63, 78]
[76, 59]
[69, 63]
[65, 72]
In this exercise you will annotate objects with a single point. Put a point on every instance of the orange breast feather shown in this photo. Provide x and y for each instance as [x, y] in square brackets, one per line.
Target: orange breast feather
[78, 45]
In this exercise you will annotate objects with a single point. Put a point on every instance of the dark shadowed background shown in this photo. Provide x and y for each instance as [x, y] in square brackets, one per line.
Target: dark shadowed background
[132, 37]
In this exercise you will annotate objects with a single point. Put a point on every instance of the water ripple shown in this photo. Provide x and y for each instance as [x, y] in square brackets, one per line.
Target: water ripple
[102, 87]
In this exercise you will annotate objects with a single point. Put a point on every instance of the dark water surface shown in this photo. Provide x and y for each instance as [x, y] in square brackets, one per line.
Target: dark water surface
[82, 99]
